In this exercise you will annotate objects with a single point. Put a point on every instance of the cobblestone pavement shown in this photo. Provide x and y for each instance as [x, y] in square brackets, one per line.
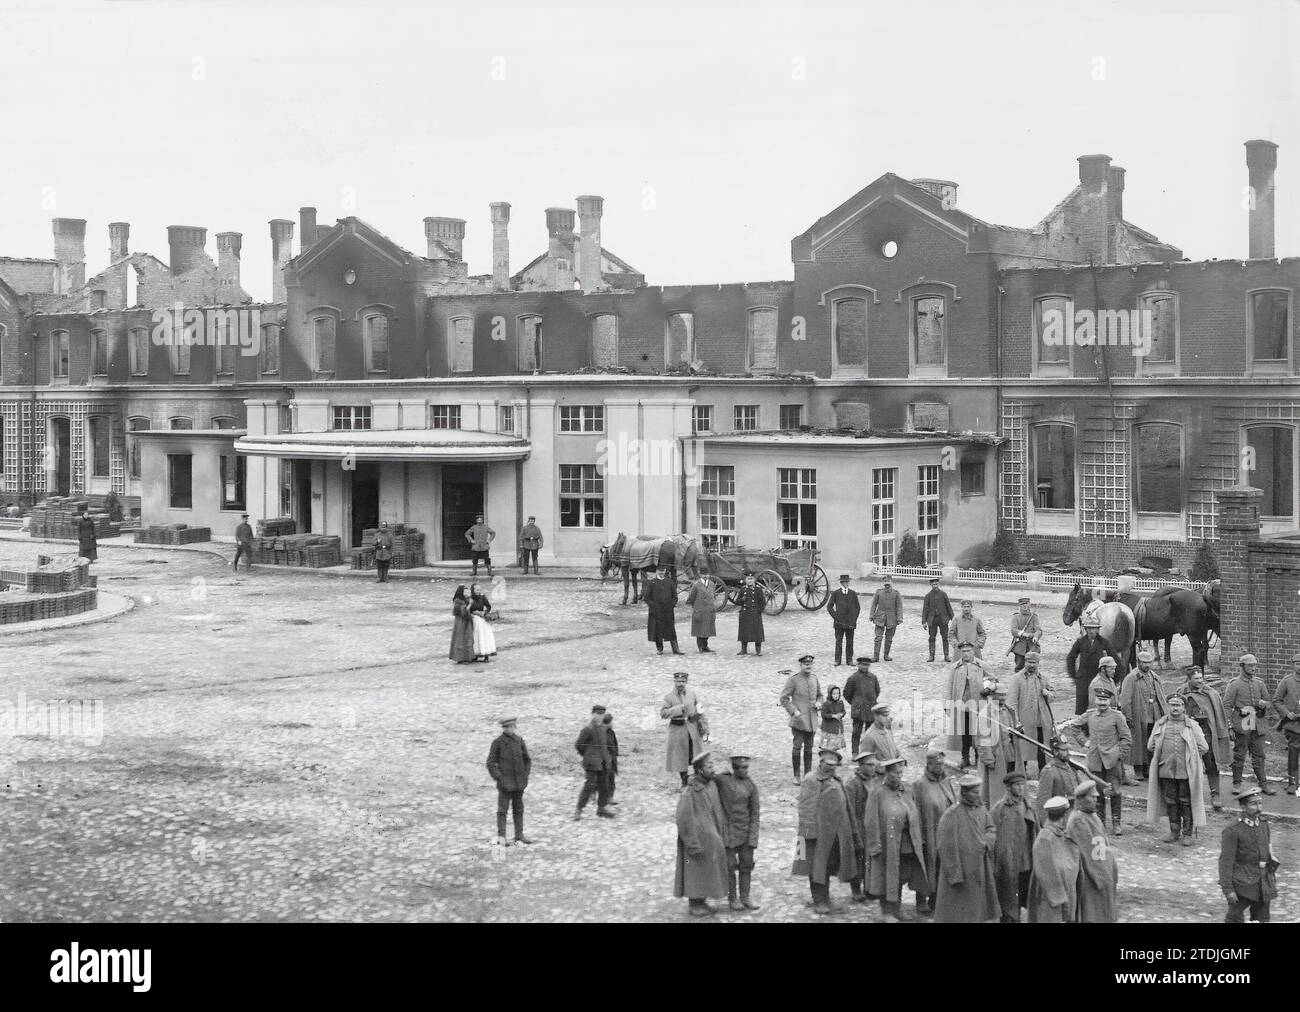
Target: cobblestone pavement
[290, 748]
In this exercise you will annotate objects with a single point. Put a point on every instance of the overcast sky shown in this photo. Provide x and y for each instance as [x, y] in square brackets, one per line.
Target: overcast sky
[715, 131]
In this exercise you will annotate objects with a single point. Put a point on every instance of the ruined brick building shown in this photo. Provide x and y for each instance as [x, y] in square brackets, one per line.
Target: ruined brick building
[901, 380]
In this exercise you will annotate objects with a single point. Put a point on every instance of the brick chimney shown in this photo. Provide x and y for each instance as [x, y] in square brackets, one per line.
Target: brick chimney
[281, 252]
[1261, 163]
[450, 232]
[185, 244]
[119, 241]
[70, 252]
[944, 189]
[1092, 172]
[307, 235]
[228, 247]
[500, 245]
[590, 210]
[1096, 221]
[559, 226]
[1115, 191]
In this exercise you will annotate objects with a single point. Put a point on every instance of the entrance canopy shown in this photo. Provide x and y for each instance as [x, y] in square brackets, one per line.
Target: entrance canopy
[435, 445]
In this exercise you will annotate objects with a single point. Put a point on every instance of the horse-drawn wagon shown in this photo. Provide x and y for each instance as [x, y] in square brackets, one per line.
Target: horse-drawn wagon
[776, 571]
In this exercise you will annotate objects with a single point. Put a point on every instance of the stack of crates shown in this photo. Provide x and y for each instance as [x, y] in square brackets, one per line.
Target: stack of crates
[58, 517]
[408, 548]
[54, 588]
[172, 534]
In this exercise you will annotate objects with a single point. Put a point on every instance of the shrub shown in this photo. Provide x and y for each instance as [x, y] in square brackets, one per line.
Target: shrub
[1006, 553]
[909, 552]
[1205, 567]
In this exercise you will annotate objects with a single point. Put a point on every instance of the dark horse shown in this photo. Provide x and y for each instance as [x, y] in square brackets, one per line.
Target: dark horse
[1171, 611]
[631, 555]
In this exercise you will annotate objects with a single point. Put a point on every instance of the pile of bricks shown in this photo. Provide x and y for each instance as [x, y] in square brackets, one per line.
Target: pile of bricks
[55, 588]
[408, 548]
[311, 551]
[58, 516]
[172, 534]
[277, 527]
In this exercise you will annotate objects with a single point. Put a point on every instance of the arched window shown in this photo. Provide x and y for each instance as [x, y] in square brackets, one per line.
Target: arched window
[135, 424]
[849, 330]
[760, 335]
[1053, 330]
[60, 354]
[324, 336]
[1158, 467]
[604, 340]
[3, 332]
[929, 335]
[270, 353]
[1054, 479]
[138, 350]
[180, 422]
[225, 422]
[679, 339]
[374, 330]
[528, 334]
[1159, 318]
[99, 352]
[98, 432]
[1271, 451]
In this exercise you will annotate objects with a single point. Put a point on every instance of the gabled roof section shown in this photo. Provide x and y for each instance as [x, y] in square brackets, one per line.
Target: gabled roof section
[8, 297]
[610, 265]
[362, 230]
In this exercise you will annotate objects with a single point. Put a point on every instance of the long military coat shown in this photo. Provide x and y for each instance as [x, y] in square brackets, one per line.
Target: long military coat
[1099, 872]
[1053, 887]
[933, 798]
[889, 815]
[967, 878]
[660, 597]
[701, 850]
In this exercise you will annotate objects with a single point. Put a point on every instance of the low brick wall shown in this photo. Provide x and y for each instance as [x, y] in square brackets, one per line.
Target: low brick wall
[1100, 553]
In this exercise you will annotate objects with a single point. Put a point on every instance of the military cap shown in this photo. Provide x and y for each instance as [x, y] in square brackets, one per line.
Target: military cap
[681, 674]
[244, 515]
[1105, 694]
[700, 756]
[830, 752]
[864, 755]
[1056, 804]
[597, 709]
[1248, 659]
[893, 762]
[508, 720]
[936, 753]
[965, 643]
[1014, 778]
[880, 707]
[967, 601]
[1107, 661]
[1034, 654]
[1146, 655]
[1085, 788]
[863, 660]
[887, 578]
[1023, 600]
[806, 657]
[740, 754]
[970, 780]
[1247, 794]
[934, 579]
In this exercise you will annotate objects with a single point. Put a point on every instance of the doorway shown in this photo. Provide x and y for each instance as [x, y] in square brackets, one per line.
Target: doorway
[462, 501]
[61, 440]
[365, 500]
[301, 485]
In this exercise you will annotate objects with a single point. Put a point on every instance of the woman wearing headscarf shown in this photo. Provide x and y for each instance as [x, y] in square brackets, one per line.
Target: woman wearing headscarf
[462, 628]
[485, 642]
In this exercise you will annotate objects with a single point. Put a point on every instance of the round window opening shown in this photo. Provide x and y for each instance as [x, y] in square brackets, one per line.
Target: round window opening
[889, 250]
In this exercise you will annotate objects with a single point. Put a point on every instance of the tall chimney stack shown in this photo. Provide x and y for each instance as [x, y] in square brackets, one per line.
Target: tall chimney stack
[559, 226]
[1115, 191]
[500, 245]
[119, 241]
[1092, 171]
[185, 244]
[307, 228]
[228, 247]
[1261, 163]
[281, 253]
[450, 232]
[590, 210]
[70, 252]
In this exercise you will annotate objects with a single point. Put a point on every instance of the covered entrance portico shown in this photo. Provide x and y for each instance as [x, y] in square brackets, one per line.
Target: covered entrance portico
[435, 480]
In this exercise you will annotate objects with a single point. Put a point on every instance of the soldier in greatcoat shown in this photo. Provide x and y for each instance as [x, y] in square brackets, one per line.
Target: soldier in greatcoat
[861, 692]
[1176, 789]
[1054, 882]
[701, 872]
[1099, 874]
[1142, 701]
[962, 702]
[1026, 632]
[740, 805]
[1205, 706]
[1030, 696]
[1286, 704]
[895, 849]
[878, 737]
[687, 726]
[967, 627]
[825, 832]
[967, 891]
[703, 612]
[1016, 823]
[1109, 742]
[1247, 867]
[750, 603]
[660, 597]
[801, 697]
[934, 793]
[936, 613]
[886, 616]
[1058, 778]
[858, 789]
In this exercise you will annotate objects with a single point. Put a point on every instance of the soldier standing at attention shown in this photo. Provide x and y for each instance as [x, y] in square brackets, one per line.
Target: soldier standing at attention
[1247, 868]
[936, 613]
[801, 697]
[701, 871]
[508, 764]
[1246, 700]
[861, 691]
[740, 805]
[934, 794]
[480, 541]
[844, 608]
[384, 551]
[1026, 631]
[887, 616]
[1109, 742]
[687, 726]
[962, 704]
[967, 628]
[243, 544]
[530, 543]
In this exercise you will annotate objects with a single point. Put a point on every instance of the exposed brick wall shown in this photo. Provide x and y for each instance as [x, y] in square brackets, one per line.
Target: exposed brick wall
[1099, 553]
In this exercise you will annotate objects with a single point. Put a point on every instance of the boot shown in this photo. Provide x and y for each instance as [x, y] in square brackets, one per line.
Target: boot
[1189, 831]
[1262, 777]
[701, 908]
[501, 826]
[519, 829]
[732, 902]
[1174, 822]
[745, 877]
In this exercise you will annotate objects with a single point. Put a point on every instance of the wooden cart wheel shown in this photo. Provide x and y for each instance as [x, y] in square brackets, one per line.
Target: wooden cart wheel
[813, 591]
[774, 592]
[733, 595]
[720, 595]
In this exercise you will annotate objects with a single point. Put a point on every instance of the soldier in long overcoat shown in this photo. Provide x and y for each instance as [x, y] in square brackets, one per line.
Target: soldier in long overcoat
[701, 872]
[1058, 778]
[1142, 701]
[962, 701]
[858, 789]
[660, 597]
[1016, 823]
[687, 726]
[1176, 788]
[1030, 695]
[750, 603]
[1205, 706]
[967, 891]
[1054, 882]
[1099, 872]
[825, 832]
[703, 610]
[934, 793]
[895, 849]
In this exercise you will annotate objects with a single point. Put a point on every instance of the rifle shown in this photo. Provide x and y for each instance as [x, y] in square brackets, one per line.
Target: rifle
[1102, 786]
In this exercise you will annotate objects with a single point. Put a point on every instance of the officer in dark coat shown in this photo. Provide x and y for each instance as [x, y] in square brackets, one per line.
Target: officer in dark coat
[1081, 663]
[87, 545]
[861, 691]
[844, 608]
[508, 763]
[750, 600]
[593, 746]
[1247, 868]
[660, 596]
[740, 804]
[936, 613]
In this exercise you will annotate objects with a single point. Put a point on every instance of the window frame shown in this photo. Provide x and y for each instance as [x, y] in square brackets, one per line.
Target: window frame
[928, 371]
[262, 356]
[884, 509]
[796, 486]
[315, 317]
[1144, 366]
[366, 316]
[450, 412]
[781, 416]
[691, 352]
[752, 313]
[103, 425]
[1051, 369]
[504, 412]
[1053, 519]
[736, 409]
[1270, 366]
[454, 364]
[929, 511]
[137, 367]
[710, 490]
[850, 295]
[173, 427]
[133, 455]
[225, 351]
[1270, 524]
[520, 323]
[354, 414]
[241, 482]
[586, 413]
[696, 428]
[172, 458]
[99, 353]
[584, 474]
[60, 354]
[974, 462]
[592, 319]
[180, 350]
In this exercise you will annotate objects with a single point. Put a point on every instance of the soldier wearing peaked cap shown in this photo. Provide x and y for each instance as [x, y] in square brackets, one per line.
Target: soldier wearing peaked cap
[740, 805]
[1099, 874]
[894, 847]
[1246, 699]
[879, 738]
[593, 746]
[934, 793]
[701, 873]
[1081, 663]
[1054, 882]
[936, 613]
[966, 628]
[687, 725]
[801, 697]
[1058, 778]
[858, 789]
[508, 764]
[861, 692]
[967, 891]
[825, 831]
[1026, 632]
[1142, 701]
[1016, 823]
[1030, 696]
[1109, 742]
[1247, 867]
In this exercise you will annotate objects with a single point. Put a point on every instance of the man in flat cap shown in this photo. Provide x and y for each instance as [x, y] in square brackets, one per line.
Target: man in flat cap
[894, 847]
[592, 745]
[966, 628]
[740, 805]
[1081, 663]
[1058, 778]
[1286, 704]
[687, 725]
[1246, 700]
[1109, 741]
[861, 692]
[1016, 824]
[660, 597]
[530, 543]
[886, 616]
[508, 764]
[844, 608]
[934, 793]
[1142, 701]
[1026, 632]
[1030, 696]
[801, 697]
[858, 789]
[1205, 706]
[701, 872]
[1247, 867]
[879, 738]
[962, 702]
[1099, 872]
[1176, 789]
[825, 832]
[1054, 882]
[936, 613]
[967, 891]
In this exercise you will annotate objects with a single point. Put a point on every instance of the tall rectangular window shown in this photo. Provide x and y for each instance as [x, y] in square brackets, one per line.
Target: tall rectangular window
[227, 350]
[702, 418]
[180, 476]
[376, 338]
[745, 417]
[791, 416]
[582, 496]
[324, 335]
[270, 353]
[133, 444]
[849, 323]
[529, 336]
[445, 416]
[507, 422]
[99, 352]
[927, 512]
[761, 339]
[1158, 467]
[100, 431]
[680, 339]
[1053, 326]
[233, 471]
[1160, 313]
[1270, 326]
[582, 418]
[796, 508]
[1272, 450]
[717, 506]
[884, 486]
[61, 354]
[604, 341]
[347, 416]
[462, 344]
[138, 350]
[1053, 467]
[182, 338]
[929, 334]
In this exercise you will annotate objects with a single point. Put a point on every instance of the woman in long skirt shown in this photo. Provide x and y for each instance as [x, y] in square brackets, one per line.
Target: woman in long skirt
[462, 628]
[485, 643]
